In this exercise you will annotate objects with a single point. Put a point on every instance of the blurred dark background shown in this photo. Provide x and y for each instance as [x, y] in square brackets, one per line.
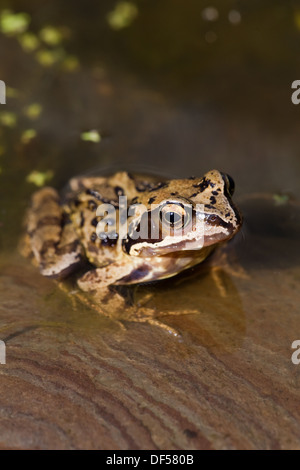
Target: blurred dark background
[175, 87]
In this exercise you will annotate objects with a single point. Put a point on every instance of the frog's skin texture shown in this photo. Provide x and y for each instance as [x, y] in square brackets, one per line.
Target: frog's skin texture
[61, 232]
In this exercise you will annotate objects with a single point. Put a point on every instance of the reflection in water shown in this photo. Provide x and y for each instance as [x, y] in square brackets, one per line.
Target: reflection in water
[204, 304]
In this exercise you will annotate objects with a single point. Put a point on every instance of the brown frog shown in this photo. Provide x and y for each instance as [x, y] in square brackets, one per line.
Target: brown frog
[189, 217]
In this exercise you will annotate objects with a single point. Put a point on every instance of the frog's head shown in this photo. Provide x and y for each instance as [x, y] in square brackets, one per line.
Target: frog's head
[183, 215]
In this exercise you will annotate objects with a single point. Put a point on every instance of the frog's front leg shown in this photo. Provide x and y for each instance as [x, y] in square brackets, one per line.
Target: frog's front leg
[53, 241]
[100, 278]
[98, 282]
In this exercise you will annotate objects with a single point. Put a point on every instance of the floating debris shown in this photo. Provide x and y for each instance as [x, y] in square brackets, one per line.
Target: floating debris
[28, 135]
[122, 16]
[29, 41]
[12, 24]
[47, 58]
[51, 35]
[70, 63]
[12, 92]
[8, 119]
[33, 111]
[297, 19]
[91, 136]
[281, 199]
[234, 17]
[210, 14]
[40, 178]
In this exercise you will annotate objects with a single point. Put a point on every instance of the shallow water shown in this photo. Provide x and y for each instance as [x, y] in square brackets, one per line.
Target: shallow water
[164, 98]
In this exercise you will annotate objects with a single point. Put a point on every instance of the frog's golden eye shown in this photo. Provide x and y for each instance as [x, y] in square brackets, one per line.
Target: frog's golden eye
[174, 216]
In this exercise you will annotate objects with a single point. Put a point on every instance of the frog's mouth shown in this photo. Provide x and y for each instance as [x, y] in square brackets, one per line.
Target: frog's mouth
[170, 246]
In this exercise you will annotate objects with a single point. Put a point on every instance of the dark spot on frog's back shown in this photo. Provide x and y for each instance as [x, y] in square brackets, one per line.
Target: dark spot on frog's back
[142, 186]
[95, 194]
[119, 191]
[109, 239]
[81, 219]
[146, 186]
[158, 186]
[151, 200]
[76, 202]
[136, 275]
[94, 237]
[204, 183]
[92, 205]
[213, 199]
[95, 221]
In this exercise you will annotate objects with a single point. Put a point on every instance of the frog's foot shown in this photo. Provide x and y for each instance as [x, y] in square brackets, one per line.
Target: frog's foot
[229, 263]
[95, 304]
[219, 275]
[157, 323]
[149, 315]
[51, 238]
[218, 278]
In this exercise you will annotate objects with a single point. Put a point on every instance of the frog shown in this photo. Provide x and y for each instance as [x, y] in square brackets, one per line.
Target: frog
[67, 235]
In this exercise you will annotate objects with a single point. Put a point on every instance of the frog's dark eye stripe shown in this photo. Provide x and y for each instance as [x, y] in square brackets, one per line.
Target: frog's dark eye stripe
[215, 220]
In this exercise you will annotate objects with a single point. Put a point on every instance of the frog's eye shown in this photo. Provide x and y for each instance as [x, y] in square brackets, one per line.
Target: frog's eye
[229, 184]
[174, 216]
